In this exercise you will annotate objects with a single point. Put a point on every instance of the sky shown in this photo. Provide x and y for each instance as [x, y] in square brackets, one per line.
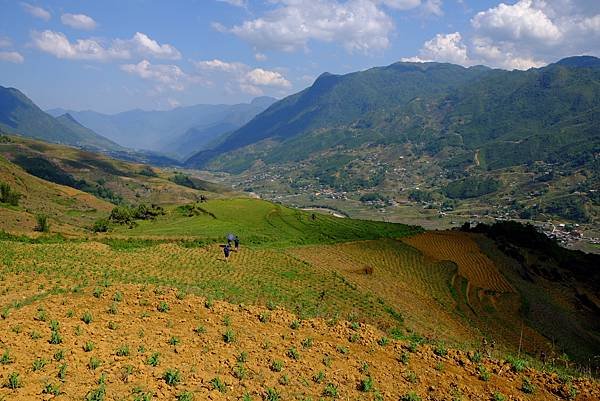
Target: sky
[111, 56]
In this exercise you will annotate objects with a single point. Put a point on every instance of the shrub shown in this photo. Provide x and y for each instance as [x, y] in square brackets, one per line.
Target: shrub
[383, 341]
[342, 350]
[52, 389]
[185, 396]
[87, 318]
[499, 396]
[42, 223]
[527, 387]
[118, 297]
[113, 310]
[307, 342]
[123, 350]
[14, 381]
[200, 329]
[242, 357]
[277, 365]
[39, 364]
[366, 384]
[112, 325]
[404, 357]
[172, 377]
[229, 336]
[218, 385]
[319, 377]
[62, 372]
[7, 195]
[284, 380]
[239, 372]
[484, 374]
[5, 359]
[330, 390]
[264, 317]
[475, 357]
[272, 395]
[411, 396]
[55, 338]
[518, 365]
[101, 226]
[163, 306]
[440, 350]
[293, 353]
[97, 394]
[59, 355]
[174, 341]
[94, 363]
[154, 359]
[295, 325]
[88, 346]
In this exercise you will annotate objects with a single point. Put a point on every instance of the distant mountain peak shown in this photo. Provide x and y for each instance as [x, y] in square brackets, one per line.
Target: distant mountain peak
[68, 116]
[580, 61]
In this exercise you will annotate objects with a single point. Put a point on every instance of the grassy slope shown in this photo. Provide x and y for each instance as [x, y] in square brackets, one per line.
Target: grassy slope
[68, 165]
[68, 208]
[260, 222]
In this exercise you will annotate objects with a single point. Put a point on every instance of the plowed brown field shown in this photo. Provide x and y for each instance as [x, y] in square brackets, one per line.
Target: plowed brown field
[131, 323]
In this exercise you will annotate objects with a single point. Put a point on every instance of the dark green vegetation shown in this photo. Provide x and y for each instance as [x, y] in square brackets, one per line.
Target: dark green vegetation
[543, 273]
[8, 195]
[19, 115]
[460, 131]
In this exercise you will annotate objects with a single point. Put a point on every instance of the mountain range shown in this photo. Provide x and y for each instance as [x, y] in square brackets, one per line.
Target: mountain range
[510, 117]
[179, 132]
[19, 115]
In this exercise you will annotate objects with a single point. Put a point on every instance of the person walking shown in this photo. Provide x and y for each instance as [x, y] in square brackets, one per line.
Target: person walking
[227, 251]
[236, 242]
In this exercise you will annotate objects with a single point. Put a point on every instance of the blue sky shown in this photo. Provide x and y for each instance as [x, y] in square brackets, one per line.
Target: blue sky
[112, 56]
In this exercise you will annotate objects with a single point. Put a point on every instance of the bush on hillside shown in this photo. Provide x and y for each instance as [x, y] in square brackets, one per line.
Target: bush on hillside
[128, 214]
[42, 223]
[184, 180]
[148, 172]
[471, 187]
[101, 226]
[7, 195]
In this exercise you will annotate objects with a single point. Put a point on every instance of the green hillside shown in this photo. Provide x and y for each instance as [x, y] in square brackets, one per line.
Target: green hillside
[461, 135]
[19, 115]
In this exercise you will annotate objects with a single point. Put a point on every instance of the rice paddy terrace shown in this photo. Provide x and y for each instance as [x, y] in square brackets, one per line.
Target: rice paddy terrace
[310, 307]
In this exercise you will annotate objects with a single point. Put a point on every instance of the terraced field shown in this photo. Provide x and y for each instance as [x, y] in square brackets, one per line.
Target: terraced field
[258, 276]
[401, 276]
[132, 342]
[459, 248]
[262, 223]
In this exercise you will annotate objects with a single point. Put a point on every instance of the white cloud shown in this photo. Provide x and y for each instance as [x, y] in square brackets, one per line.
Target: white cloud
[12, 57]
[252, 81]
[57, 44]
[260, 57]
[521, 21]
[5, 42]
[237, 3]
[78, 21]
[144, 45]
[433, 7]
[402, 4]
[219, 65]
[260, 77]
[37, 12]
[448, 48]
[165, 76]
[528, 33]
[359, 25]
